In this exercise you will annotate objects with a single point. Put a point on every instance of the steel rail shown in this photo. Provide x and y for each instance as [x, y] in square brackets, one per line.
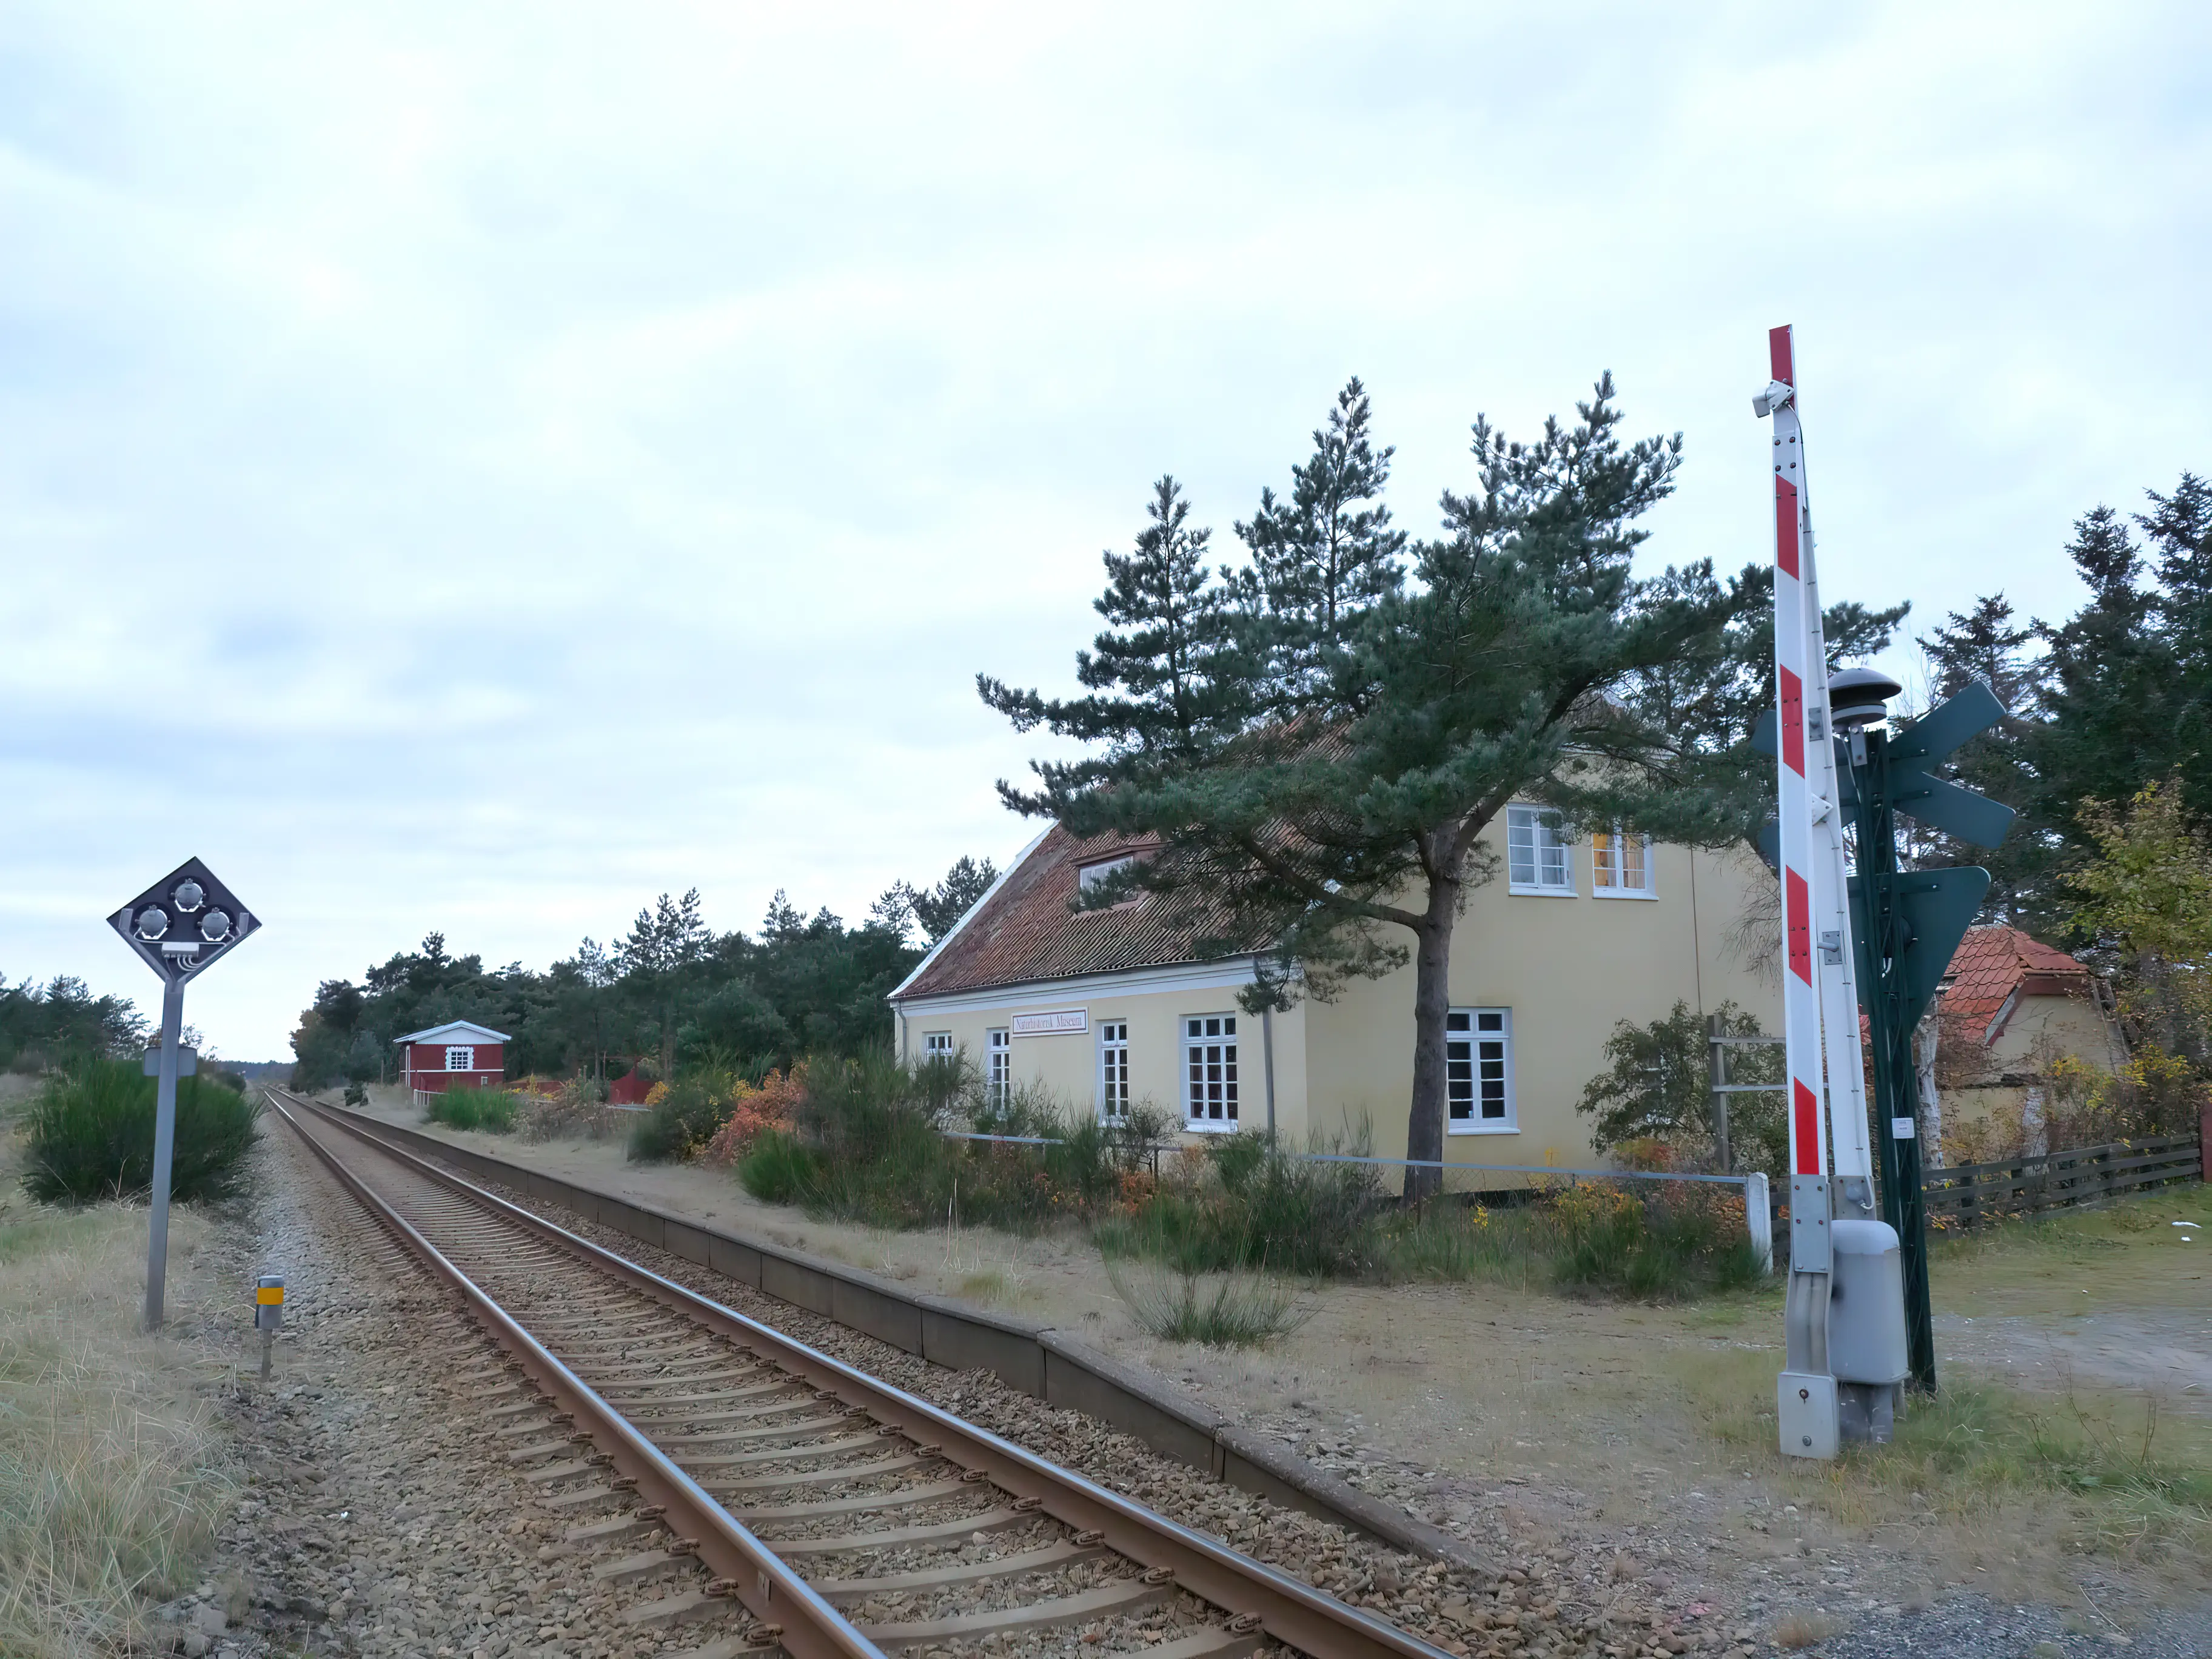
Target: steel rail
[786, 1607]
[1287, 1608]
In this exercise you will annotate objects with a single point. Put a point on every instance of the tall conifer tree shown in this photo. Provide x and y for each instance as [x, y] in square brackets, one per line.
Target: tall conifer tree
[1331, 804]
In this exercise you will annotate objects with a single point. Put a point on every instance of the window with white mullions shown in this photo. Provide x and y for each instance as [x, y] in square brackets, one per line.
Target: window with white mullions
[1621, 865]
[1209, 1052]
[937, 1045]
[1478, 1070]
[461, 1060]
[998, 1066]
[1536, 852]
[1113, 1070]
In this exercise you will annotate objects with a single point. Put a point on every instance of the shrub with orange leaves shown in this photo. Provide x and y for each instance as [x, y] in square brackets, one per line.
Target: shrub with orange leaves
[774, 1105]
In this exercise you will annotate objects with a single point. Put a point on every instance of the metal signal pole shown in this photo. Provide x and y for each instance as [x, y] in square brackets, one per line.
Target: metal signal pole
[178, 927]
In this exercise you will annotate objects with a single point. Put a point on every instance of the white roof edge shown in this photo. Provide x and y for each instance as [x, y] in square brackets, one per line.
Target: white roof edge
[966, 915]
[451, 1026]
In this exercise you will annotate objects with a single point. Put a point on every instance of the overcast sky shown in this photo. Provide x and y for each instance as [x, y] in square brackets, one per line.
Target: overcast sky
[475, 468]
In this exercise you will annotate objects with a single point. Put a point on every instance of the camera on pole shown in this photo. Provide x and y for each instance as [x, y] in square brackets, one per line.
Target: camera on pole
[178, 927]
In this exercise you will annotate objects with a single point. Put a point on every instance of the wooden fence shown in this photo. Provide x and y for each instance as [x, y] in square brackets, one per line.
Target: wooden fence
[1967, 1193]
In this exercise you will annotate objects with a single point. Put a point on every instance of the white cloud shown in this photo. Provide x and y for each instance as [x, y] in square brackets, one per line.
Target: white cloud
[467, 475]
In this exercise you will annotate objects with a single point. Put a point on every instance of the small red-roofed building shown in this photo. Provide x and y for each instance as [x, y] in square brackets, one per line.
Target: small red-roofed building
[456, 1053]
[2011, 1006]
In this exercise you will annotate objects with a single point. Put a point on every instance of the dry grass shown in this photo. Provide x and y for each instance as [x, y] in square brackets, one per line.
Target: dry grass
[1804, 1630]
[112, 1473]
[2011, 1489]
[1235, 1309]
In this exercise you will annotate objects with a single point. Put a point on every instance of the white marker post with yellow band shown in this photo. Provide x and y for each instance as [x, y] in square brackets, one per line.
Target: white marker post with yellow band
[268, 1314]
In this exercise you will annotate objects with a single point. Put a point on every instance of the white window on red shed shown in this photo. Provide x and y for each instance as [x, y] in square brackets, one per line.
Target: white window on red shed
[461, 1060]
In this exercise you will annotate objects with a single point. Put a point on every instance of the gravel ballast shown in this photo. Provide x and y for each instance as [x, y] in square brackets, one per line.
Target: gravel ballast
[380, 1519]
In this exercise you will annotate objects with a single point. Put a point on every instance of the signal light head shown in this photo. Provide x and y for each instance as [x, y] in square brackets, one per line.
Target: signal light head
[1859, 696]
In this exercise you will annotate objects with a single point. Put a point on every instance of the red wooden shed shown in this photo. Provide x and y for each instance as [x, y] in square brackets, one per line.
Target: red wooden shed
[473, 1056]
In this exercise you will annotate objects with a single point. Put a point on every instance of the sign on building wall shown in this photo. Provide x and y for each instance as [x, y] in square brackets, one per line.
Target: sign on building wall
[1066, 1022]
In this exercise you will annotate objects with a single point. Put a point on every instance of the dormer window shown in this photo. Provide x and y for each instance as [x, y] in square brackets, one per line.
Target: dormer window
[1088, 878]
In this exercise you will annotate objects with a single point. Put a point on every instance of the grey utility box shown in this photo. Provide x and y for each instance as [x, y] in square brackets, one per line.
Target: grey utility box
[1865, 1304]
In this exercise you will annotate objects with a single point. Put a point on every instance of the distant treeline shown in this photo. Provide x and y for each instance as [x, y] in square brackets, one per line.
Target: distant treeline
[43, 1025]
[57, 1026]
[671, 993]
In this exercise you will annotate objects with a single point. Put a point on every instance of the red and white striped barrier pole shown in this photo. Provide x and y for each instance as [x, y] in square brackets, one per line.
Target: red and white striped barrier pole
[1820, 1002]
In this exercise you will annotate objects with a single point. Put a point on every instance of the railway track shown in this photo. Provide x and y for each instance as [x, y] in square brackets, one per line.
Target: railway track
[791, 1502]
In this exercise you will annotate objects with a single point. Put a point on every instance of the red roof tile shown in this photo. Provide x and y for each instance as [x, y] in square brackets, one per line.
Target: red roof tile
[1992, 963]
[1028, 929]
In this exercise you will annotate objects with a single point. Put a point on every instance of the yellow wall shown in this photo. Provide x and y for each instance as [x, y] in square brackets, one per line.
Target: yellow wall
[1569, 968]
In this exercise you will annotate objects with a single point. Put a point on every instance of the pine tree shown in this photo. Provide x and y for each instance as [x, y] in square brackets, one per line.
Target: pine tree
[937, 910]
[1169, 677]
[1332, 816]
[1321, 558]
[1983, 645]
[2110, 697]
[2180, 529]
[665, 942]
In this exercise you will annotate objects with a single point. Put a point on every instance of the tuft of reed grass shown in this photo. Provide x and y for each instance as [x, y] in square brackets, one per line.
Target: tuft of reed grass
[90, 1135]
[460, 1108]
[111, 1469]
[1798, 1630]
[1239, 1309]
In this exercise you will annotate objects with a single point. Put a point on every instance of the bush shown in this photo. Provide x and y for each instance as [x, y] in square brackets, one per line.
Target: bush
[778, 1169]
[91, 1136]
[773, 1104]
[1231, 1311]
[864, 1140]
[460, 1107]
[680, 1120]
[1672, 1243]
[1266, 1208]
[357, 1095]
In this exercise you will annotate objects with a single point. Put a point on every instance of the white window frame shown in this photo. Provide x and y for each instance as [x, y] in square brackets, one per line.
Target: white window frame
[459, 1058]
[936, 1045]
[999, 1065]
[1114, 1071]
[1464, 1033]
[1526, 825]
[1217, 1032]
[1088, 876]
[1604, 847]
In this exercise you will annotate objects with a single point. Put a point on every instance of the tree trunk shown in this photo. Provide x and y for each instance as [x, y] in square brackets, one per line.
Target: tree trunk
[1924, 1043]
[1424, 1123]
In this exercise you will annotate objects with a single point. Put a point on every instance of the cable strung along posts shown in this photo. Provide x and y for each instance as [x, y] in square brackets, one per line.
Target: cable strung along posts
[1843, 1322]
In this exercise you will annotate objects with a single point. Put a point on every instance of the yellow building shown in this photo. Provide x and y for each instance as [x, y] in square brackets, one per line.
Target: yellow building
[1107, 1007]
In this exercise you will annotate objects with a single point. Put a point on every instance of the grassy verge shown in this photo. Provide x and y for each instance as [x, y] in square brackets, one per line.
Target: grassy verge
[112, 1473]
[1994, 1478]
[865, 1141]
[2043, 1264]
[490, 1109]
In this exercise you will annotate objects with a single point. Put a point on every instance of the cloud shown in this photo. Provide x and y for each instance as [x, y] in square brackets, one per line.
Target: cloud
[457, 475]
